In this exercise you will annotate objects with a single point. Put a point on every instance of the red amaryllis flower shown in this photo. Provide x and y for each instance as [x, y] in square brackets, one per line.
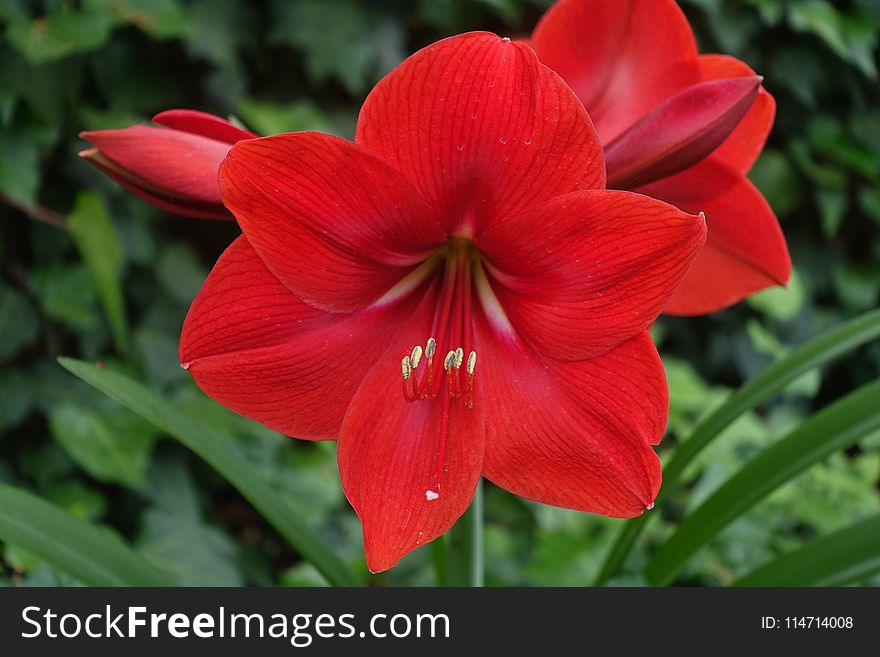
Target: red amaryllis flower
[453, 294]
[678, 126]
[175, 166]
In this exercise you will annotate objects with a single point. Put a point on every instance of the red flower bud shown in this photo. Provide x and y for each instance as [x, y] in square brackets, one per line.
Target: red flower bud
[680, 132]
[173, 167]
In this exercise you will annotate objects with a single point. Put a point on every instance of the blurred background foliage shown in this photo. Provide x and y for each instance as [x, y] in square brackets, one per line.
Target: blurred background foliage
[102, 276]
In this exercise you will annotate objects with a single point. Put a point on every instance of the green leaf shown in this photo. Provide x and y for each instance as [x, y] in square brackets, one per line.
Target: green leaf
[869, 202]
[91, 555]
[66, 294]
[18, 321]
[77, 499]
[833, 205]
[162, 19]
[778, 302]
[19, 167]
[777, 178]
[180, 273]
[16, 397]
[175, 537]
[833, 428]
[59, 34]
[345, 40]
[851, 39]
[758, 389]
[112, 446]
[221, 453]
[187, 549]
[847, 556]
[268, 118]
[95, 237]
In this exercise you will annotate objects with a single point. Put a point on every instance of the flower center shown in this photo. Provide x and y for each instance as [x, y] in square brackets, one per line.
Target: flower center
[425, 377]
[431, 384]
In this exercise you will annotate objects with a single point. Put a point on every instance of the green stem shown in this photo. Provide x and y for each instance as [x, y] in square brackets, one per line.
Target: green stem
[466, 565]
[440, 558]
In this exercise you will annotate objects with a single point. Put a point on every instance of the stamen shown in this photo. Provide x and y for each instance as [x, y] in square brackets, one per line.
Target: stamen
[406, 370]
[469, 385]
[416, 356]
[459, 357]
[428, 382]
[448, 365]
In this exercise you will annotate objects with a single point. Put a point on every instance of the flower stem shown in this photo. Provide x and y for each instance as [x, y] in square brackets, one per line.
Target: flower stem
[440, 558]
[465, 565]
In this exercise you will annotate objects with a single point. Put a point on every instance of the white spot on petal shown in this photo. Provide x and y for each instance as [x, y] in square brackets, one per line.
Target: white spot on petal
[431, 495]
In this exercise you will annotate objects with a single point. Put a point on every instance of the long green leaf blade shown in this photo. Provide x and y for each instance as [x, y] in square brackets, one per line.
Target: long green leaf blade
[70, 545]
[223, 457]
[847, 556]
[833, 428]
[771, 381]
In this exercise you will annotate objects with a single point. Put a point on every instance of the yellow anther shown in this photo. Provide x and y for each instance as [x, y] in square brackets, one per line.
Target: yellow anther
[406, 368]
[472, 362]
[459, 357]
[449, 361]
[430, 348]
[416, 357]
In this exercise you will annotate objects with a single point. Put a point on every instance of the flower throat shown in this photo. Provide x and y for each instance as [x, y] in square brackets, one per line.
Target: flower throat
[453, 323]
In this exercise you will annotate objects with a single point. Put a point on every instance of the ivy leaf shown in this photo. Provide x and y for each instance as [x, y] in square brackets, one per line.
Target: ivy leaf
[18, 321]
[175, 538]
[16, 397]
[853, 39]
[162, 19]
[19, 166]
[341, 40]
[59, 34]
[112, 445]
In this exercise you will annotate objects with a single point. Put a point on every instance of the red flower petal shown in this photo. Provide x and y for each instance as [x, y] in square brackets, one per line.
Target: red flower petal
[481, 129]
[621, 57]
[169, 162]
[744, 145]
[258, 350]
[583, 273]
[200, 123]
[680, 132]
[574, 434]
[745, 248]
[143, 190]
[334, 223]
[389, 455]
